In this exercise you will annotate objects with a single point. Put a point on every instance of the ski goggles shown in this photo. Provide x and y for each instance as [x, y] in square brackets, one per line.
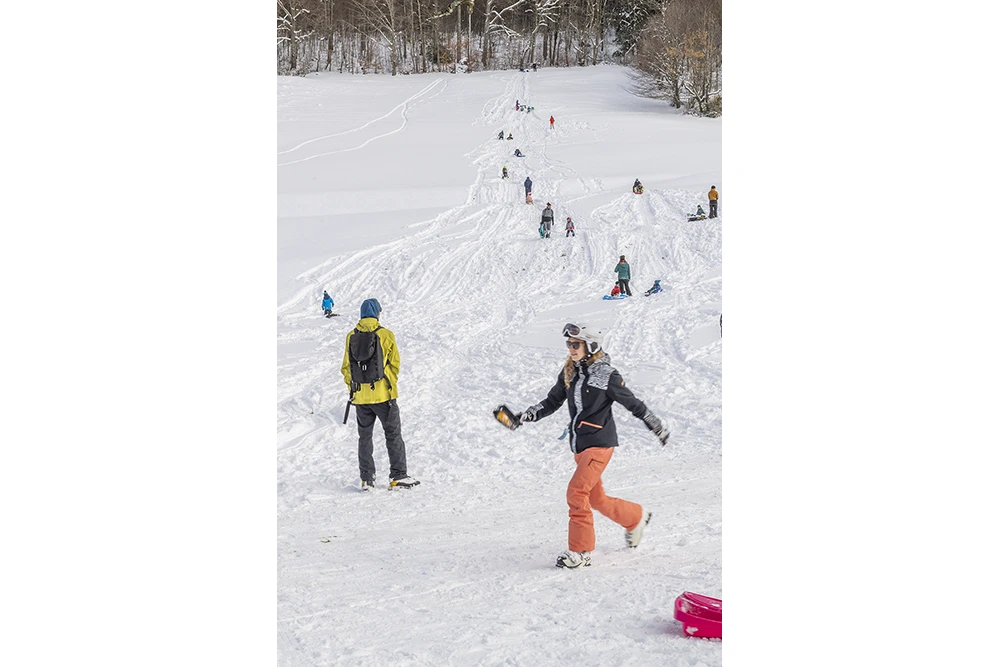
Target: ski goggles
[571, 331]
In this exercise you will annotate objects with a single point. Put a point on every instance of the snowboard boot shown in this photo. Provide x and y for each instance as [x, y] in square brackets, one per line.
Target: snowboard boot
[634, 536]
[573, 559]
[366, 485]
[403, 483]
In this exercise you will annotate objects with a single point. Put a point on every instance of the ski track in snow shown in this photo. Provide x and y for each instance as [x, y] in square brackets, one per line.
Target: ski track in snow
[460, 570]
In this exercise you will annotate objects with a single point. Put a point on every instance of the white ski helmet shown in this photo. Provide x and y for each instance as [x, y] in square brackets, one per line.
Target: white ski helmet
[594, 338]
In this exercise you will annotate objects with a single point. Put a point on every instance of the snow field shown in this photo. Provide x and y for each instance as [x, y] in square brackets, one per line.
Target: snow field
[460, 570]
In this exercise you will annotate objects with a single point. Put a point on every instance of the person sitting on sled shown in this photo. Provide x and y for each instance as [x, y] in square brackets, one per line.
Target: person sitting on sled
[700, 210]
[327, 304]
[616, 291]
[510, 137]
[637, 187]
[518, 153]
[655, 288]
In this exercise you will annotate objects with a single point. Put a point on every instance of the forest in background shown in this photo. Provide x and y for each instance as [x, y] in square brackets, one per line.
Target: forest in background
[676, 45]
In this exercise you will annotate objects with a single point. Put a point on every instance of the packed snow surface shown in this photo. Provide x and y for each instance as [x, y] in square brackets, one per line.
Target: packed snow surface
[389, 187]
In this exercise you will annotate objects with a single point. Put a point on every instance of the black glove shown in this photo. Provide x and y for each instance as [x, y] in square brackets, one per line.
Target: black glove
[530, 414]
[658, 428]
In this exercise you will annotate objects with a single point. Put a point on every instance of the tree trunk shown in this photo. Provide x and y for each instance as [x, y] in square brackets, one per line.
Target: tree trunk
[458, 38]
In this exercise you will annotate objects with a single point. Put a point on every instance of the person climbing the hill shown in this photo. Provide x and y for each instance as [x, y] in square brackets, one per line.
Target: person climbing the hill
[327, 304]
[370, 369]
[527, 186]
[552, 122]
[624, 275]
[510, 137]
[590, 385]
[504, 175]
[655, 289]
[570, 227]
[500, 136]
[548, 217]
[637, 187]
[518, 153]
[713, 202]
[517, 103]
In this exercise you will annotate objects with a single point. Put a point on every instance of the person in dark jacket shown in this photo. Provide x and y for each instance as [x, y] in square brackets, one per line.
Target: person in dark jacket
[624, 275]
[377, 400]
[527, 186]
[590, 385]
[548, 217]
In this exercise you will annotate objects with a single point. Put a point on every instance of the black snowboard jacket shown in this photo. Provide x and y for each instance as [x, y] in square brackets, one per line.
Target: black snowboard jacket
[591, 393]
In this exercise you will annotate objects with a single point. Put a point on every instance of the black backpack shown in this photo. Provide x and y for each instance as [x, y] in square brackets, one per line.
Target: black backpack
[367, 360]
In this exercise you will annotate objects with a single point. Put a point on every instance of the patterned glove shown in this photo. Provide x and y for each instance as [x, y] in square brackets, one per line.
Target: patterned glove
[530, 414]
[658, 428]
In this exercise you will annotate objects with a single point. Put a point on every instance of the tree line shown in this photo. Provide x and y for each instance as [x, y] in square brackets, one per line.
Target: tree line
[419, 36]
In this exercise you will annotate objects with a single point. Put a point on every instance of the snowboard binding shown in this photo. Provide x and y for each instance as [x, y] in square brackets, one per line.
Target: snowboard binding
[504, 415]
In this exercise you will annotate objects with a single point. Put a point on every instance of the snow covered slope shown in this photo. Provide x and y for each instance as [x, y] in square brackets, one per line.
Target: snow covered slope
[390, 188]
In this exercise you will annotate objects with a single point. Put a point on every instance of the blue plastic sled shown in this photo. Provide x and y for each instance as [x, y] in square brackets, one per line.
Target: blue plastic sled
[608, 297]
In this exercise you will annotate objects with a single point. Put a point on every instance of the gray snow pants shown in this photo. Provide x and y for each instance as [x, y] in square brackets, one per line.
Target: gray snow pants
[388, 414]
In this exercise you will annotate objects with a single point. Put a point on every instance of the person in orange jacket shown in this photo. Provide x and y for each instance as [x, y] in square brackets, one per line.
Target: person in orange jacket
[591, 385]
[713, 202]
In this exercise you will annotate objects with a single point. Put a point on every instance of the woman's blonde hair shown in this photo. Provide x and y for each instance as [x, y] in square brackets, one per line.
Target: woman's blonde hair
[570, 365]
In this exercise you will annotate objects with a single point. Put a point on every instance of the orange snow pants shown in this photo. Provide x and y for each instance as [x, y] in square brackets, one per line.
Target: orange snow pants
[586, 491]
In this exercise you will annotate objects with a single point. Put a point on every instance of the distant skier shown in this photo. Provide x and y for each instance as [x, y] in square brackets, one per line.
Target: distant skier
[504, 172]
[327, 304]
[518, 153]
[590, 385]
[552, 122]
[548, 216]
[500, 136]
[655, 289]
[510, 137]
[570, 228]
[637, 187]
[624, 275]
[534, 66]
[713, 202]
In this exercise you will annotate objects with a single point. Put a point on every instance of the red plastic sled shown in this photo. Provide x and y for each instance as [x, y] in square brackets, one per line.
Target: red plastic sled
[700, 615]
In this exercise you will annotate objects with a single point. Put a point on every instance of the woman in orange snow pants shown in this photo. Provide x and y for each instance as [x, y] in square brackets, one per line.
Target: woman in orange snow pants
[590, 385]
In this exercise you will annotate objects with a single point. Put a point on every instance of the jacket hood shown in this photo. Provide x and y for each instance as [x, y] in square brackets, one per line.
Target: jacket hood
[370, 308]
[367, 324]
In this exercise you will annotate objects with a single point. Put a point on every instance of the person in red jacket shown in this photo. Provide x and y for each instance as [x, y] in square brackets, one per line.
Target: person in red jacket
[552, 121]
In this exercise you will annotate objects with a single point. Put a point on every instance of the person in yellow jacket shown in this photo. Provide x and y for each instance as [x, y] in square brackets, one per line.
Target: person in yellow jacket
[713, 202]
[370, 369]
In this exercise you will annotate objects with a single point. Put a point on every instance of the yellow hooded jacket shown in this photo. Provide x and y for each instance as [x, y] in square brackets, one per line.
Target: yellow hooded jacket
[381, 393]
[713, 194]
